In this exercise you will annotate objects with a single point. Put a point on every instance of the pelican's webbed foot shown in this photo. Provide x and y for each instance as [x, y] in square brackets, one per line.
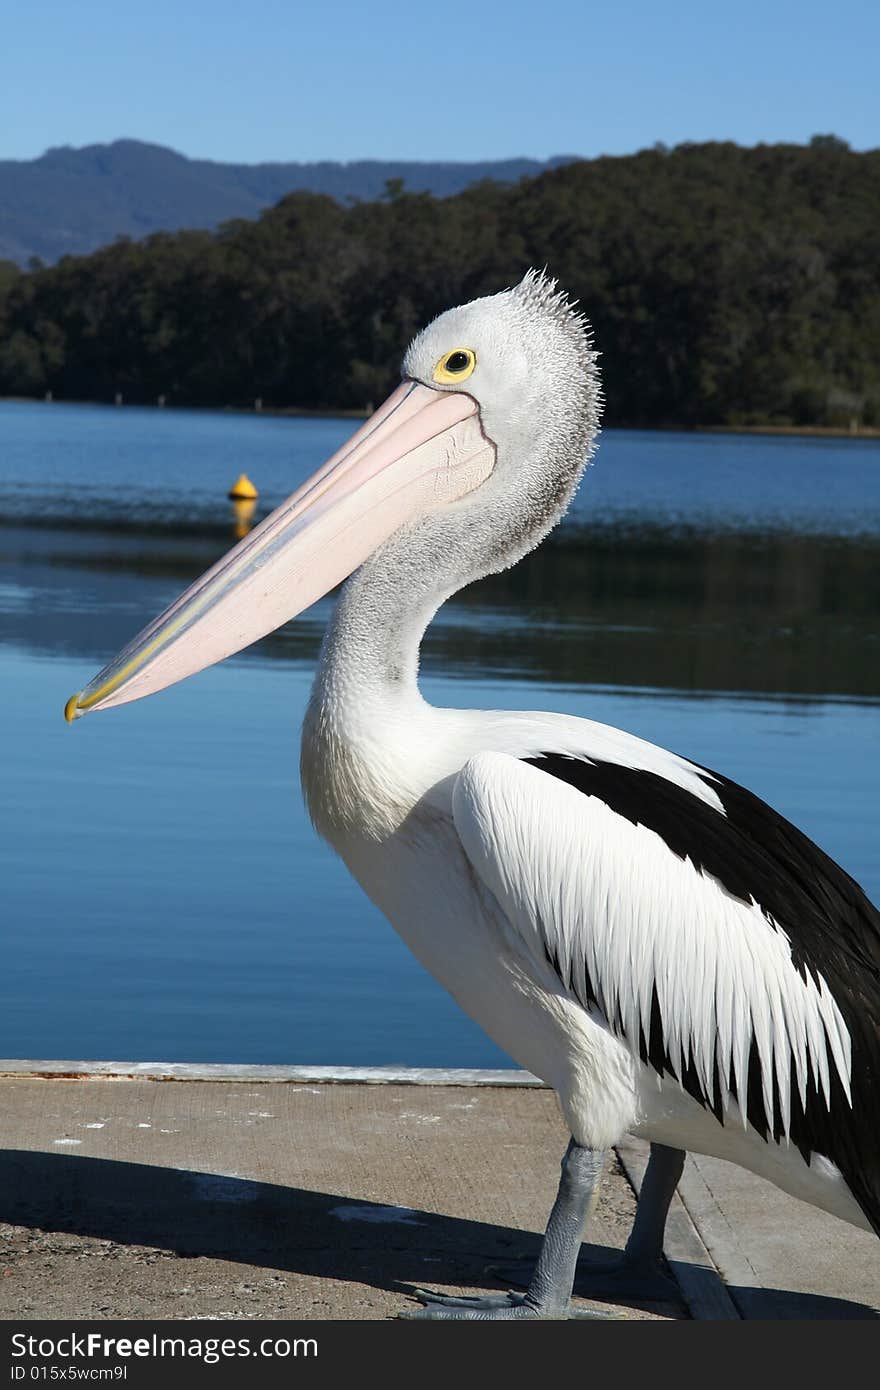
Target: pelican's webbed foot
[549, 1293]
[490, 1307]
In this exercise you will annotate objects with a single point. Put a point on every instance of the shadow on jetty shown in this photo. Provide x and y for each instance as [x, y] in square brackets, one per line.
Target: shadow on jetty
[195, 1214]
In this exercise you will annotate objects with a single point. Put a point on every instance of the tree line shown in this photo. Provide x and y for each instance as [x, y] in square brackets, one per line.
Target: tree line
[725, 285]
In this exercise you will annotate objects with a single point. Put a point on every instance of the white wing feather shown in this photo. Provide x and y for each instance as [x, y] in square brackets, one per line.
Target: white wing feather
[625, 918]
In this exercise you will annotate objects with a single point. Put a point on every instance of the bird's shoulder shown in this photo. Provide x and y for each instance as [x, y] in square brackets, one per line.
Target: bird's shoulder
[724, 830]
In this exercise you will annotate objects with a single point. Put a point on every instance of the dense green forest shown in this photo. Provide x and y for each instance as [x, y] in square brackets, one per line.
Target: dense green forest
[725, 285]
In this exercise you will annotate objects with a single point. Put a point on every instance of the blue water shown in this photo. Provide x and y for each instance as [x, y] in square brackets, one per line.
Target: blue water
[164, 896]
[175, 467]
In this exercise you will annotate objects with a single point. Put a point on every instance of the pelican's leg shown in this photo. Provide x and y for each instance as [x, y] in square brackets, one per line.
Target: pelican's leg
[644, 1249]
[638, 1272]
[549, 1293]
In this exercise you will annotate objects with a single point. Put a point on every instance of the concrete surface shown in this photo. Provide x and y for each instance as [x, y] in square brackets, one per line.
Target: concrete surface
[779, 1257]
[274, 1193]
[192, 1199]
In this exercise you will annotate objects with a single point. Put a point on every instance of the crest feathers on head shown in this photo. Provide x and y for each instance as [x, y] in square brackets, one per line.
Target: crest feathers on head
[539, 292]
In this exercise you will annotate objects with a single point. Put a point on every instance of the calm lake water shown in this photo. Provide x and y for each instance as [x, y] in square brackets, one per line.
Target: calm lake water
[164, 896]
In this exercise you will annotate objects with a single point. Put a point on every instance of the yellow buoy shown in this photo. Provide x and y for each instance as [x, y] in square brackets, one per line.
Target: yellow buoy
[243, 487]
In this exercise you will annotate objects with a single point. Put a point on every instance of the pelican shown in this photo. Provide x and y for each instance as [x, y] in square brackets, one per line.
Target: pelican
[662, 948]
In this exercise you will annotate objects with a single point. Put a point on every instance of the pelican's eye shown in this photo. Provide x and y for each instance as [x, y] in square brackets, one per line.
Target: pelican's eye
[456, 365]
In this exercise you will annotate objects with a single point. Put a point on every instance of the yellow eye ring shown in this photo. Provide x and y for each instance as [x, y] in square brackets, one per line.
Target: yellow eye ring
[455, 366]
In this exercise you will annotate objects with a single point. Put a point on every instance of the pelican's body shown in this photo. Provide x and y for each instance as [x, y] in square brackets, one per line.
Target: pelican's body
[381, 776]
[654, 942]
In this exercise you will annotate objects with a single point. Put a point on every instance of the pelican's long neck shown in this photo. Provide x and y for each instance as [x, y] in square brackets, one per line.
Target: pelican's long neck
[370, 652]
[365, 702]
[370, 655]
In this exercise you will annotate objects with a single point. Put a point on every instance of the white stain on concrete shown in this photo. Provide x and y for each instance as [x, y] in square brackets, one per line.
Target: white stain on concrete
[66, 1141]
[223, 1187]
[420, 1119]
[401, 1216]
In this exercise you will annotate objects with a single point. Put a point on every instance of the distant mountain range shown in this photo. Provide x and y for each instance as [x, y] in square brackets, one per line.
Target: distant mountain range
[71, 201]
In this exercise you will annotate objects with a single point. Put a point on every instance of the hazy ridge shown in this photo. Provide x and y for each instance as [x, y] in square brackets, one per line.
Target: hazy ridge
[71, 201]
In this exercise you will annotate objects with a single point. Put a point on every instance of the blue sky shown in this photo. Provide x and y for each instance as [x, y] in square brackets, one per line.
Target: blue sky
[283, 79]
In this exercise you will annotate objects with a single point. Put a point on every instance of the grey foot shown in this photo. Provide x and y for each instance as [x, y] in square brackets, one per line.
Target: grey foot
[621, 1280]
[488, 1307]
[549, 1292]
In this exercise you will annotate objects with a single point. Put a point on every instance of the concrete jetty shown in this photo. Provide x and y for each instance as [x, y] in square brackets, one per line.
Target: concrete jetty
[159, 1190]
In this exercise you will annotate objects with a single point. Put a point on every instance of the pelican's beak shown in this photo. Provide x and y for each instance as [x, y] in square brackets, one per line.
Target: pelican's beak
[421, 449]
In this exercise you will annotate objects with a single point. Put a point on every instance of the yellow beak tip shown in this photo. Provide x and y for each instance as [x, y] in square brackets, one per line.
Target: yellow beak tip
[70, 710]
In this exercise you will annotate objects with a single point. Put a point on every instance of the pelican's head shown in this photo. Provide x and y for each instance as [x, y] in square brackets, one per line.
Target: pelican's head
[524, 356]
[494, 421]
